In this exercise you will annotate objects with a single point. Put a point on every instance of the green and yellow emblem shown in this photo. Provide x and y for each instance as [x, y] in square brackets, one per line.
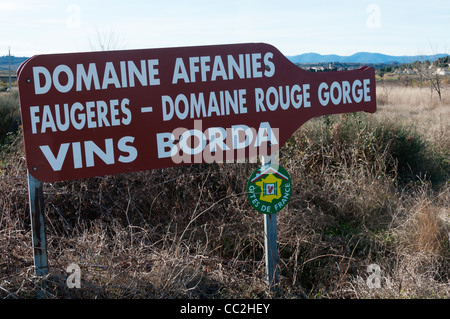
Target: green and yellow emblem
[269, 189]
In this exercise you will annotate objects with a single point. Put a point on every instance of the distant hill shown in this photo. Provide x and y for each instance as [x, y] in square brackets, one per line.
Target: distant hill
[361, 57]
[15, 62]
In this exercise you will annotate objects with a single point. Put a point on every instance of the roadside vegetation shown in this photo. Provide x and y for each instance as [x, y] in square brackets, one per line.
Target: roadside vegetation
[368, 189]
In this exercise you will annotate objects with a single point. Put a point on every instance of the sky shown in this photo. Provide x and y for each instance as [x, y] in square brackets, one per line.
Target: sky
[31, 27]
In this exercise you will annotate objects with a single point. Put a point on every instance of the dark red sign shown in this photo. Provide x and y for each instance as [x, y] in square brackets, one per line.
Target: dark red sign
[101, 113]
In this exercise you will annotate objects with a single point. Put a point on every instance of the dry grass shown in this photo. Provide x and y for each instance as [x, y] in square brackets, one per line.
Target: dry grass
[418, 107]
[368, 189]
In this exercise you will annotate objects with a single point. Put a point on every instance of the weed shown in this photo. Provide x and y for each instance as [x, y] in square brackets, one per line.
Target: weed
[9, 114]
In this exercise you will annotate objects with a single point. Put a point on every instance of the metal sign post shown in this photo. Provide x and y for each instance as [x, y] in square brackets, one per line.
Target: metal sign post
[36, 197]
[268, 190]
[271, 249]
[270, 239]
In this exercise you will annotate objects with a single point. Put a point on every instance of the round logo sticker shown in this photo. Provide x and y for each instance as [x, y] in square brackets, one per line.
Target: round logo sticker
[269, 189]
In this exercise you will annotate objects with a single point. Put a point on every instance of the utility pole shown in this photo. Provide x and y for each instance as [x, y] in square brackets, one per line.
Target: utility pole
[9, 53]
